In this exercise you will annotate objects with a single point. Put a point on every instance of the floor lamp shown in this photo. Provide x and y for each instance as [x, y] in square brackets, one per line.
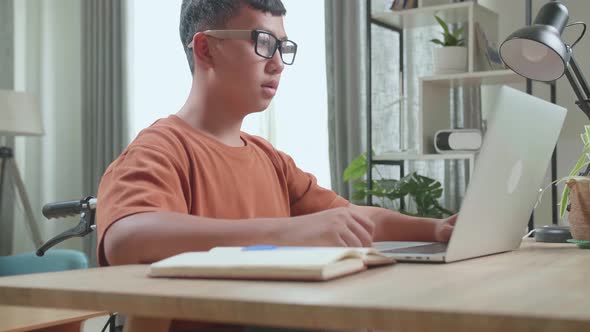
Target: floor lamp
[19, 116]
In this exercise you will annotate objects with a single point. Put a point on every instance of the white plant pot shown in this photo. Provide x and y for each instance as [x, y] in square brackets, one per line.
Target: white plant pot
[450, 59]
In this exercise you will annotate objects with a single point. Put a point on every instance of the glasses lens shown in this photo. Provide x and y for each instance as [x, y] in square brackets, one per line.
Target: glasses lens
[266, 45]
[288, 51]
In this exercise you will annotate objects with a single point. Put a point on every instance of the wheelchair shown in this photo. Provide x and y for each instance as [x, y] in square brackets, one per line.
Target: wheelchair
[86, 209]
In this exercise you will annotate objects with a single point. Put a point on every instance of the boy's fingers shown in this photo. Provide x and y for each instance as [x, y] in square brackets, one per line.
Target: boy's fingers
[361, 233]
[350, 239]
[365, 222]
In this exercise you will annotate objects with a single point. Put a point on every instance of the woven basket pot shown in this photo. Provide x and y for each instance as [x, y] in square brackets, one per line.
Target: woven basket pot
[579, 216]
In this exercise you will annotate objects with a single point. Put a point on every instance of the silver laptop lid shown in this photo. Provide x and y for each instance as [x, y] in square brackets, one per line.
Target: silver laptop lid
[522, 133]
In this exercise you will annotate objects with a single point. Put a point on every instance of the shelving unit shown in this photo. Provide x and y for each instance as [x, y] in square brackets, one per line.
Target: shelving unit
[434, 109]
[393, 156]
[435, 115]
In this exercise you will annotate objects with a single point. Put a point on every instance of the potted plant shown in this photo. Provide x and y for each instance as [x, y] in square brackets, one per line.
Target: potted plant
[576, 194]
[424, 191]
[452, 56]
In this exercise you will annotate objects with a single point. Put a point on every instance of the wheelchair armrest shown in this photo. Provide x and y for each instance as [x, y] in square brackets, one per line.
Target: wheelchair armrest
[87, 210]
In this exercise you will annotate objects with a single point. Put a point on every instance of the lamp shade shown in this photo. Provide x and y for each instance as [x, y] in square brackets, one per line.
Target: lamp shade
[19, 114]
[537, 51]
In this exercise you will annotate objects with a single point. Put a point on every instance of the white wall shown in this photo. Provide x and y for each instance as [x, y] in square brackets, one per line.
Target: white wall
[160, 80]
[512, 17]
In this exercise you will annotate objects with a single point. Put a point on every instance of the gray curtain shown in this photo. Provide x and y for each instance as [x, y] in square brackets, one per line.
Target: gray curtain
[103, 116]
[345, 67]
[394, 115]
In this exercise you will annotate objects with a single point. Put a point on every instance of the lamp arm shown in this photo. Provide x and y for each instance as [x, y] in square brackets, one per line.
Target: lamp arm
[580, 76]
[579, 85]
[582, 91]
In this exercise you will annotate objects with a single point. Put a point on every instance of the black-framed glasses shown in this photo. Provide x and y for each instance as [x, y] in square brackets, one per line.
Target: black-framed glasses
[265, 43]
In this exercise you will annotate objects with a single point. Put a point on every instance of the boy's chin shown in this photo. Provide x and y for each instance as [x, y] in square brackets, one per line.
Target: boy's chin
[264, 105]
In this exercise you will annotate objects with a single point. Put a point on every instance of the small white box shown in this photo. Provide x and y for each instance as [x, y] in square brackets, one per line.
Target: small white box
[457, 140]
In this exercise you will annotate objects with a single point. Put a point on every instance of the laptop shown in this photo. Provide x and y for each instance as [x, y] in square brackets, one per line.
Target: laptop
[510, 168]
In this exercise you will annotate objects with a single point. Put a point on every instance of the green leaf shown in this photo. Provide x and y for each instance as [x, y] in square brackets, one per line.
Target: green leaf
[579, 165]
[359, 195]
[356, 169]
[443, 24]
[360, 186]
[564, 200]
[387, 184]
[458, 32]
[438, 42]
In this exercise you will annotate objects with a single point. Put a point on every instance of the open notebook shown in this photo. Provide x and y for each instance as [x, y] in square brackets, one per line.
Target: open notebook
[269, 262]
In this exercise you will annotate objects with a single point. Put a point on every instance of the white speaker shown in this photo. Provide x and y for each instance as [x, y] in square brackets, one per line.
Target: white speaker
[457, 140]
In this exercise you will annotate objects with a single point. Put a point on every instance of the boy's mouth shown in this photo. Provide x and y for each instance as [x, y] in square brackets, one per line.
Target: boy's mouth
[270, 88]
[271, 85]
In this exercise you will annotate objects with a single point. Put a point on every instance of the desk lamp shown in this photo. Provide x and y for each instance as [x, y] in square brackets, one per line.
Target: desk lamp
[537, 52]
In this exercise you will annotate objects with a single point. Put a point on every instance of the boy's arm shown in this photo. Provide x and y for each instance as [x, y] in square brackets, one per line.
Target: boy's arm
[149, 237]
[394, 226]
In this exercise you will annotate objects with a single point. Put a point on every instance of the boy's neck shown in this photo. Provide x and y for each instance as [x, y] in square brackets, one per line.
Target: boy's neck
[213, 118]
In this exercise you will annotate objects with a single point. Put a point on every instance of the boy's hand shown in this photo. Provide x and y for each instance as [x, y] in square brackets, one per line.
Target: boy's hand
[338, 227]
[444, 229]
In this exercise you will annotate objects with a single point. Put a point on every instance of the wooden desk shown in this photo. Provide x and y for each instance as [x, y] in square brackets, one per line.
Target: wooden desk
[537, 288]
[16, 318]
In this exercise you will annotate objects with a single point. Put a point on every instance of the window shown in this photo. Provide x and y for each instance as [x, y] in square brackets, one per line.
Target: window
[296, 122]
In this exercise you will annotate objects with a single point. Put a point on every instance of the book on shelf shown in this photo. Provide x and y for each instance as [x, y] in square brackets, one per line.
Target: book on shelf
[270, 263]
[398, 5]
[488, 54]
[430, 3]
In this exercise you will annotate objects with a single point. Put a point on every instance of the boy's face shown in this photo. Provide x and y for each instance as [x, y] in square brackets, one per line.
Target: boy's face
[248, 80]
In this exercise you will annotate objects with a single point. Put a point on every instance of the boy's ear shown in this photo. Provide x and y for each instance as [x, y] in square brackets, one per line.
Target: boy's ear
[201, 50]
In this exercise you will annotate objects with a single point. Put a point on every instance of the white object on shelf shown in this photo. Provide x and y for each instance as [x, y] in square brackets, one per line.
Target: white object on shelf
[434, 113]
[455, 140]
[450, 59]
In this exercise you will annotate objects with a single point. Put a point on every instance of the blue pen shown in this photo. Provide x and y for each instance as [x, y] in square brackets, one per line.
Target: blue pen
[259, 247]
[271, 247]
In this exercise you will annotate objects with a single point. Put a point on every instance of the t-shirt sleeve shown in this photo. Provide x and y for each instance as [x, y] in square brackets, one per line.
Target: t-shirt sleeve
[142, 179]
[305, 195]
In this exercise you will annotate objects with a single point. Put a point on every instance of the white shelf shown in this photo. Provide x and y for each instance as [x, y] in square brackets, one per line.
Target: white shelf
[491, 77]
[395, 156]
[419, 17]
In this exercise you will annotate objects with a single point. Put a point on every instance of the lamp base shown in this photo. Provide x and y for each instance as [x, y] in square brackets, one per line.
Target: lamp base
[553, 234]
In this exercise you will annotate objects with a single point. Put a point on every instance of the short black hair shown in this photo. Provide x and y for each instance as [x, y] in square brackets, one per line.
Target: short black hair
[201, 15]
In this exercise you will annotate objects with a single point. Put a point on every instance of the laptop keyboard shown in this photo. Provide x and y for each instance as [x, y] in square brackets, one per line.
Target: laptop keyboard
[433, 248]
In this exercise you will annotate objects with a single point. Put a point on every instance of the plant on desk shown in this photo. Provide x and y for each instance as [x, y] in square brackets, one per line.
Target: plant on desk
[577, 193]
[424, 191]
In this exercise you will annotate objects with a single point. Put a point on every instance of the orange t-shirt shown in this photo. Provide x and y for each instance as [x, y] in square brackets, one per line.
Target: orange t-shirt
[173, 167]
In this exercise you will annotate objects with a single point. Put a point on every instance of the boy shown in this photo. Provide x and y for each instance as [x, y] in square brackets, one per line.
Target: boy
[193, 180]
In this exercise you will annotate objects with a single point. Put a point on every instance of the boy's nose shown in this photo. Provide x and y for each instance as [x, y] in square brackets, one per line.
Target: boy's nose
[275, 64]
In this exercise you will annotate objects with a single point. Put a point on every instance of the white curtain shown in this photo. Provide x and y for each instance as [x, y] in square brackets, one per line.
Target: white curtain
[47, 64]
